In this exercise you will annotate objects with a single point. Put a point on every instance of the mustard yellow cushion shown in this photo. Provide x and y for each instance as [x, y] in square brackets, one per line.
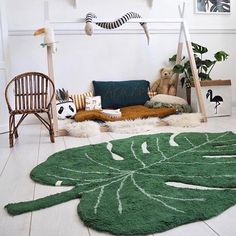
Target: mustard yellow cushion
[128, 113]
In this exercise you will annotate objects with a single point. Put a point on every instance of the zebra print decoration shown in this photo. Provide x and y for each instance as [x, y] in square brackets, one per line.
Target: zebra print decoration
[113, 25]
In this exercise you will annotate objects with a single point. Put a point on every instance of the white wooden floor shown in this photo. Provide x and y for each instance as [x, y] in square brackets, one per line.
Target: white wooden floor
[33, 147]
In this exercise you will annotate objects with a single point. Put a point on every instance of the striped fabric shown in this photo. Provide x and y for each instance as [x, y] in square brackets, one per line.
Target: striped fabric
[151, 94]
[113, 25]
[79, 100]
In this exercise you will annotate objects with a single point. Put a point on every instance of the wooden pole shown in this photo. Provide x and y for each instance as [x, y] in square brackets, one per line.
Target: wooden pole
[51, 76]
[194, 72]
[57, 132]
[180, 43]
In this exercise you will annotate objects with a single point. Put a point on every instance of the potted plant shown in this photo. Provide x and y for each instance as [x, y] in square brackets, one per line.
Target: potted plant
[204, 67]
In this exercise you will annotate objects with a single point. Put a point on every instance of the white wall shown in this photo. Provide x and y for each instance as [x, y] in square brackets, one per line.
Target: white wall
[3, 68]
[113, 55]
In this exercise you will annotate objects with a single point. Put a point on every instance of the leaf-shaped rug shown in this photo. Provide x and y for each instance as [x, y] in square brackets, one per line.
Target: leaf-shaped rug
[143, 184]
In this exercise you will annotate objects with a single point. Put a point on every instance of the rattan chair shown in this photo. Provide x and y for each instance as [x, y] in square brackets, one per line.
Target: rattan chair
[32, 93]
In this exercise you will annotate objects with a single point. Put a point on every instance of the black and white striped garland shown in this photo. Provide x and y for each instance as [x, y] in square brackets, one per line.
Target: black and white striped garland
[113, 25]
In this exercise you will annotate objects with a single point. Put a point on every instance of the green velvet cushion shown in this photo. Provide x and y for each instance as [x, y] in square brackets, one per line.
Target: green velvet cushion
[117, 94]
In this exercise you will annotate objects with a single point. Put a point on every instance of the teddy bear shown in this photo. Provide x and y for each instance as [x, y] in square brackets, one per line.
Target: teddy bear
[166, 84]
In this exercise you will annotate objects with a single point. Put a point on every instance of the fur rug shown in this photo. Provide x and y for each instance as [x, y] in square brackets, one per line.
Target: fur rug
[133, 126]
[184, 120]
[91, 128]
[80, 129]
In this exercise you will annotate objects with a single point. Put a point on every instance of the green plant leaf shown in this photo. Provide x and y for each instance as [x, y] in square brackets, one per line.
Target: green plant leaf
[179, 69]
[143, 184]
[43, 45]
[189, 72]
[187, 65]
[198, 61]
[221, 56]
[199, 49]
[204, 76]
[220, 5]
[205, 68]
[208, 63]
[173, 58]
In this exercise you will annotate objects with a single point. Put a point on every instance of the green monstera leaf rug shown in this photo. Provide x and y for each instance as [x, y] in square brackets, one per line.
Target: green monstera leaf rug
[143, 184]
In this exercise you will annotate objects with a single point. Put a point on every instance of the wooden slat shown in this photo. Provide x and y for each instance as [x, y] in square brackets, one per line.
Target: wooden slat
[16, 102]
[26, 92]
[35, 95]
[23, 91]
[207, 83]
[42, 91]
[38, 86]
[31, 93]
[46, 94]
[19, 91]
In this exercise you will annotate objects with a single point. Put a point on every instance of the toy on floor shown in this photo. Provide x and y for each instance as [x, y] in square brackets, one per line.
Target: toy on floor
[166, 84]
[65, 105]
[112, 25]
[49, 37]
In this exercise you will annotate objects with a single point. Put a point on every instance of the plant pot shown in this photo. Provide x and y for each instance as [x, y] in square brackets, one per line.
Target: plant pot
[217, 97]
[188, 95]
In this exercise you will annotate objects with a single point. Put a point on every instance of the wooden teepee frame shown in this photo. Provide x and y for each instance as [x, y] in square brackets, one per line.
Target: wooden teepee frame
[184, 38]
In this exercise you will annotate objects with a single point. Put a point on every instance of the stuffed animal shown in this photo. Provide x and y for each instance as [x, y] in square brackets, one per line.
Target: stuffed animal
[113, 25]
[166, 84]
[65, 105]
[49, 38]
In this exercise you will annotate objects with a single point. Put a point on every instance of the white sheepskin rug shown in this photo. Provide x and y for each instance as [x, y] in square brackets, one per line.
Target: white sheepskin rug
[184, 120]
[133, 126]
[90, 128]
[80, 129]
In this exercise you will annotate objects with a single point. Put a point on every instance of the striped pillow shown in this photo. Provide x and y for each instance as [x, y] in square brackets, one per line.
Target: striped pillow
[79, 100]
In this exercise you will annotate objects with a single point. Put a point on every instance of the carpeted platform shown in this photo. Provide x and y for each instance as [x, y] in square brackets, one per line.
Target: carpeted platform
[144, 184]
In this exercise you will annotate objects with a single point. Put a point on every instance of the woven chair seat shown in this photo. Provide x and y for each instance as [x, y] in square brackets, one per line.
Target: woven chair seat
[15, 112]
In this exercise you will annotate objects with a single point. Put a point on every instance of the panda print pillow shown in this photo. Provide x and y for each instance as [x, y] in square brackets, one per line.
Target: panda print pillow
[65, 106]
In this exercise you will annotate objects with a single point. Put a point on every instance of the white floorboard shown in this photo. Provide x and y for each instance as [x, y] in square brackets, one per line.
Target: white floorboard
[224, 224]
[15, 183]
[64, 216]
[33, 147]
[5, 151]
[194, 229]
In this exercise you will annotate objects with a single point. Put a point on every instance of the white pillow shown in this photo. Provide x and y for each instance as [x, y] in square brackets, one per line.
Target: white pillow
[164, 98]
[93, 103]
